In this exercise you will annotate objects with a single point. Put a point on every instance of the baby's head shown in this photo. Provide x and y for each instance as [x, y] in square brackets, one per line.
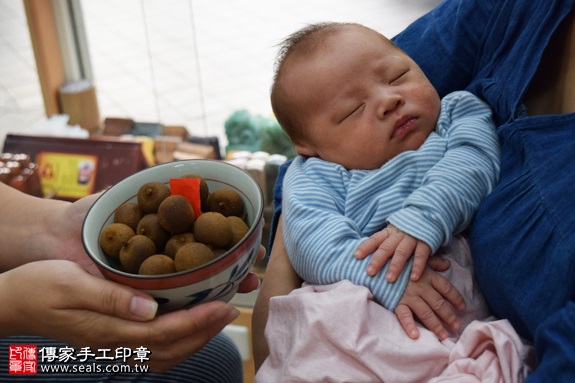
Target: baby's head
[346, 94]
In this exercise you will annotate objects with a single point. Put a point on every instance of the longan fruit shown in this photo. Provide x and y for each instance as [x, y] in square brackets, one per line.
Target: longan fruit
[129, 213]
[135, 251]
[226, 202]
[177, 241]
[113, 237]
[239, 230]
[213, 229]
[151, 228]
[192, 255]
[157, 264]
[150, 196]
[176, 214]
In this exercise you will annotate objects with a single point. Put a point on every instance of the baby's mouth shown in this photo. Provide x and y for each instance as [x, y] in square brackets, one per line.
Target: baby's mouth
[402, 126]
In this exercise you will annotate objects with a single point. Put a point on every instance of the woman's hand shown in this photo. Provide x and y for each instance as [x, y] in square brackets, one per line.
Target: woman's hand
[52, 288]
[58, 299]
[67, 233]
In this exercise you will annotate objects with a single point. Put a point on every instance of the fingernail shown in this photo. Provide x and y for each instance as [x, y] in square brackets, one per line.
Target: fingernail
[226, 314]
[143, 308]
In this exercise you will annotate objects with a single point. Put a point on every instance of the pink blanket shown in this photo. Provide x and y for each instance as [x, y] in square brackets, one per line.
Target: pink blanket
[337, 333]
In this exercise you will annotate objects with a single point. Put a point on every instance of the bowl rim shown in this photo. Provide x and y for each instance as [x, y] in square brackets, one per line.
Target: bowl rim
[142, 279]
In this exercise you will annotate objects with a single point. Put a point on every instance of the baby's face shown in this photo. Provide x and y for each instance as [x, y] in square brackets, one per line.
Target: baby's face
[362, 100]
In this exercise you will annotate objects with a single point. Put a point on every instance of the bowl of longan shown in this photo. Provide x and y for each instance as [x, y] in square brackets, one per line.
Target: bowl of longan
[185, 232]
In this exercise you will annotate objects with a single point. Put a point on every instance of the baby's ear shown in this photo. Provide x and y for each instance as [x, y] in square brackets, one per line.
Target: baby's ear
[305, 151]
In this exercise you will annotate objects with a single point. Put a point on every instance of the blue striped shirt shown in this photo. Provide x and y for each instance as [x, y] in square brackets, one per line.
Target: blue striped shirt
[431, 193]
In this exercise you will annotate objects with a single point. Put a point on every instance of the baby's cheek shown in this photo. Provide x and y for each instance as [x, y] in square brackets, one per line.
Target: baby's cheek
[429, 100]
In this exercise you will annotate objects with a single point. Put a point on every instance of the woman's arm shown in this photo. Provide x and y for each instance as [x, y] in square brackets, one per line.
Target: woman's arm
[280, 279]
[35, 229]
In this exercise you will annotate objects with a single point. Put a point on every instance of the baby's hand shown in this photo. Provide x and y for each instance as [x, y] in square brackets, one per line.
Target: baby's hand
[393, 243]
[432, 300]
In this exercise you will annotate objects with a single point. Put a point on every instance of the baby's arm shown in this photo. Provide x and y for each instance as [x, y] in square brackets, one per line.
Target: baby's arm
[432, 300]
[397, 245]
[450, 192]
[320, 240]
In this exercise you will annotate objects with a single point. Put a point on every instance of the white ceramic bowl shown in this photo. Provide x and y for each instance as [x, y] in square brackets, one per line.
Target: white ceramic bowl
[215, 280]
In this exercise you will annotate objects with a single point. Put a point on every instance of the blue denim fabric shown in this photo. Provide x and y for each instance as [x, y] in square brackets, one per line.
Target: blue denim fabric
[523, 235]
[523, 249]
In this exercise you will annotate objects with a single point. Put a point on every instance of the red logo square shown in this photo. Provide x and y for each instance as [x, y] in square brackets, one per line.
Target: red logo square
[22, 359]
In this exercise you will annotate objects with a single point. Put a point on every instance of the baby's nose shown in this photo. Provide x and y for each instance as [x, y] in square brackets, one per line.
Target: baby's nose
[388, 104]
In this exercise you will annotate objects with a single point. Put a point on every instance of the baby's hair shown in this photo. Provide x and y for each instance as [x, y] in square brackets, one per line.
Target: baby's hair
[303, 41]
